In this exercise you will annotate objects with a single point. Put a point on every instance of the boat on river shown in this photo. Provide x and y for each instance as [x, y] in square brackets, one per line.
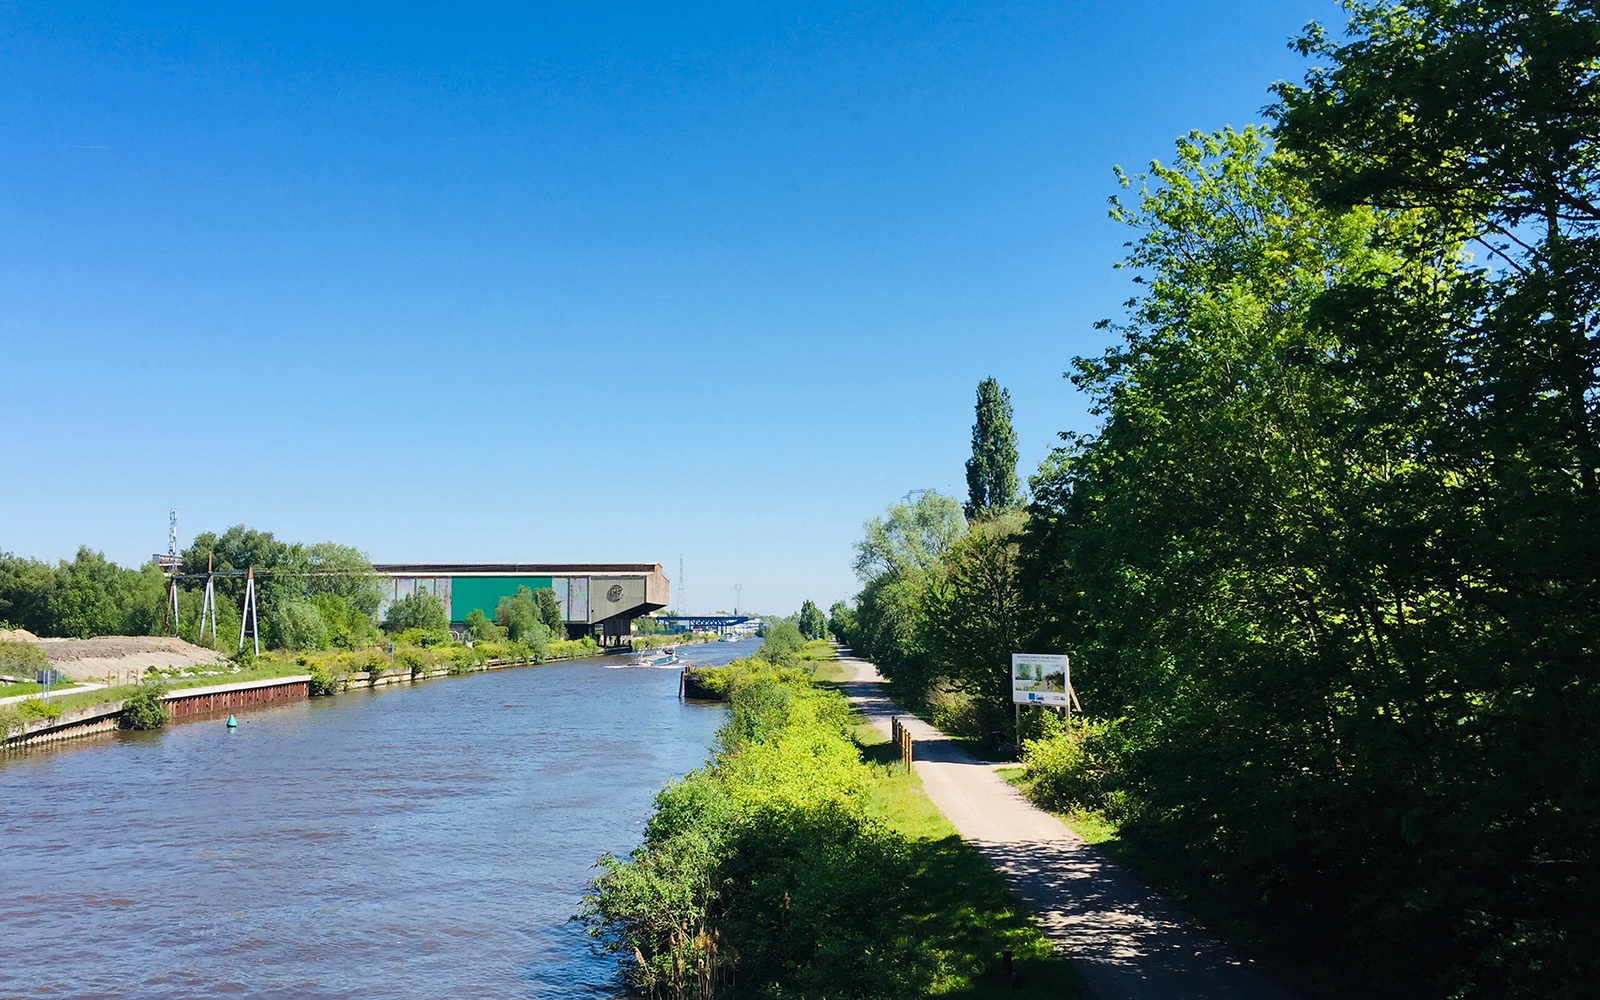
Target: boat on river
[666, 656]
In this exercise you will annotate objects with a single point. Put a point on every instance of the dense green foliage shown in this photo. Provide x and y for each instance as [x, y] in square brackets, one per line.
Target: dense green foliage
[481, 629]
[1330, 565]
[812, 623]
[783, 644]
[992, 469]
[21, 659]
[729, 873]
[286, 572]
[298, 625]
[88, 596]
[92, 596]
[550, 612]
[348, 626]
[774, 872]
[144, 708]
[416, 611]
[519, 615]
[899, 559]
[841, 620]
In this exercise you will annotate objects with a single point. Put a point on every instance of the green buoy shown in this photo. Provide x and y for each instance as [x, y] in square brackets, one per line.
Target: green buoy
[233, 723]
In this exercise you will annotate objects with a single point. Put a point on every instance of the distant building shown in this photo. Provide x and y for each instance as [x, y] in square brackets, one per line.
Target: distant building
[597, 599]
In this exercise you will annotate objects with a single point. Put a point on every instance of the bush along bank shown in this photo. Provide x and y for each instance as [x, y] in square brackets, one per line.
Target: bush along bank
[333, 671]
[415, 657]
[795, 864]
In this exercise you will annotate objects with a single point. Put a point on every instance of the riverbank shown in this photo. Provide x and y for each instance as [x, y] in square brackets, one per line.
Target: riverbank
[407, 842]
[834, 872]
[640, 643]
[86, 713]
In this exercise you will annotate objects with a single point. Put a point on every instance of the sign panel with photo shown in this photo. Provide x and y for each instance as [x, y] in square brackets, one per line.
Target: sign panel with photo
[1040, 679]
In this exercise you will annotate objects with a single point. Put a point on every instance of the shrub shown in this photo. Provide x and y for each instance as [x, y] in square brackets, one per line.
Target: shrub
[549, 610]
[1073, 764]
[424, 637]
[519, 616]
[21, 658]
[12, 722]
[348, 626]
[38, 708]
[144, 709]
[298, 625]
[765, 859]
[408, 659]
[783, 644]
[573, 648]
[481, 629]
[462, 660]
[321, 683]
[417, 611]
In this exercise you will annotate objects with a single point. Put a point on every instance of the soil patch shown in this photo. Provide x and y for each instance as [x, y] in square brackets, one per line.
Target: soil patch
[117, 655]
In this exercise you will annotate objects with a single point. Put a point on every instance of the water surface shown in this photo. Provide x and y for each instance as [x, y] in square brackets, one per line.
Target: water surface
[422, 842]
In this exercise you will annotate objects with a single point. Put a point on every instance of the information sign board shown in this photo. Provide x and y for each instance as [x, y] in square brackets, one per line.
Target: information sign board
[1041, 679]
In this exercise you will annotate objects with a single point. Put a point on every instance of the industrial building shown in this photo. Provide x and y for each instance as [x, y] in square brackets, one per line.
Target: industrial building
[597, 599]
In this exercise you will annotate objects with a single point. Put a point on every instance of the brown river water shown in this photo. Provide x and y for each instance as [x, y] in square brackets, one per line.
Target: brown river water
[413, 842]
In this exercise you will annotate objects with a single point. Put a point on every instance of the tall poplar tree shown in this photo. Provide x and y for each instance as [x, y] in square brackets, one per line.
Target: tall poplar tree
[992, 469]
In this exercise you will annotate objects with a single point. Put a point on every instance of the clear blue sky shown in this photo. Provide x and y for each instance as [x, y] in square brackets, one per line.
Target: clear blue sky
[565, 282]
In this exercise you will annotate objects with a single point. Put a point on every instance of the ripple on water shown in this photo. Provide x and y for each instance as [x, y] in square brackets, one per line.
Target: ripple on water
[420, 842]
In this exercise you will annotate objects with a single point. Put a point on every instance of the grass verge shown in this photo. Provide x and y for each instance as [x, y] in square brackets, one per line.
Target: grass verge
[968, 912]
[29, 687]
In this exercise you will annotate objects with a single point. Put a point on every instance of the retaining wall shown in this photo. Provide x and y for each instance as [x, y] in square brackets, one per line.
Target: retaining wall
[226, 697]
[185, 702]
[182, 702]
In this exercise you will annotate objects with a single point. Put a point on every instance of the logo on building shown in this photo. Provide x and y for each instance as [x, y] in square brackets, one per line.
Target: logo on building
[615, 593]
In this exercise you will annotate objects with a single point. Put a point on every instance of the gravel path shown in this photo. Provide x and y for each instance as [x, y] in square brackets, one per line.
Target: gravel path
[54, 691]
[1126, 941]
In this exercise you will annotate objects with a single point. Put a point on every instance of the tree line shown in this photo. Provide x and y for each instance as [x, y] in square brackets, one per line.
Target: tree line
[317, 596]
[1328, 563]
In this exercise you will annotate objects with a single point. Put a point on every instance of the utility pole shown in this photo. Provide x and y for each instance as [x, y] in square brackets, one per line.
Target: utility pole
[248, 614]
[209, 604]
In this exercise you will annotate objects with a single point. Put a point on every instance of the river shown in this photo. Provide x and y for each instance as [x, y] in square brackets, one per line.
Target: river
[412, 842]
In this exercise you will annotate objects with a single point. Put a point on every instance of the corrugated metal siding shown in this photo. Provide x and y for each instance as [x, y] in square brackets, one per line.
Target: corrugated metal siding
[484, 592]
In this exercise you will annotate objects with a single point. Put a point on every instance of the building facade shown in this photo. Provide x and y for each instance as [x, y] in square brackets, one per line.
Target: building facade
[596, 599]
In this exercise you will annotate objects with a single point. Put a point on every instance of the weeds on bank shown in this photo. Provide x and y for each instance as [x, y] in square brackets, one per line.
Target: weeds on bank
[799, 862]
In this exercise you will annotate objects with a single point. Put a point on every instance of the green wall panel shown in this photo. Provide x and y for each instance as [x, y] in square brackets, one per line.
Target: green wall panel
[484, 592]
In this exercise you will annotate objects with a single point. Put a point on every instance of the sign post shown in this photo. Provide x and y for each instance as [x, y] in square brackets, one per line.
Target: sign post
[1042, 679]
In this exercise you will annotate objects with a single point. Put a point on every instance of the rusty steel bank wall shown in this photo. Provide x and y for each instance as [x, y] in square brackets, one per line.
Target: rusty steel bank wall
[181, 703]
[186, 702]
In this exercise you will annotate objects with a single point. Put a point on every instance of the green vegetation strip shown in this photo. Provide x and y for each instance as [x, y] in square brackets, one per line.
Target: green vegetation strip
[330, 670]
[800, 862]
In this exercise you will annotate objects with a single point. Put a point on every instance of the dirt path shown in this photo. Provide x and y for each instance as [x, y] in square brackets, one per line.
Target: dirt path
[120, 658]
[1126, 941]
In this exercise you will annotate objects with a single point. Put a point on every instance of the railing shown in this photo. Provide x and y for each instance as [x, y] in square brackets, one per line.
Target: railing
[900, 736]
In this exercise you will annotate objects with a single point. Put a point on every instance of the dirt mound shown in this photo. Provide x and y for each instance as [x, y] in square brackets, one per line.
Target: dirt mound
[18, 635]
[119, 656]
